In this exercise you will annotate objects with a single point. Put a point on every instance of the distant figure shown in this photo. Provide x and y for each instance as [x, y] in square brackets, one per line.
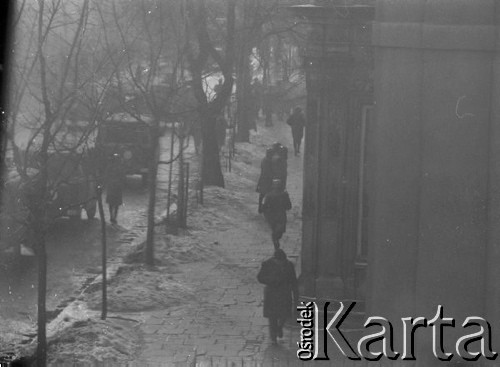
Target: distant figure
[266, 177]
[256, 98]
[273, 166]
[281, 292]
[218, 86]
[268, 105]
[220, 130]
[274, 206]
[115, 183]
[195, 131]
[297, 122]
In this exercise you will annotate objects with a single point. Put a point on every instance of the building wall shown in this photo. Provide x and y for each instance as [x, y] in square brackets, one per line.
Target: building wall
[433, 233]
[338, 64]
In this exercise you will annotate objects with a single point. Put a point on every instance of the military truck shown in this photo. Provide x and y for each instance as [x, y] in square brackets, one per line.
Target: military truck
[71, 185]
[72, 179]
[129, 137]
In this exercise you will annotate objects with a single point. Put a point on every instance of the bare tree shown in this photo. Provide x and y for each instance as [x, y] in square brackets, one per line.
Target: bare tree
[264, 34]
[144, 42]
[250, 26]
[203, 54]
[48, 82]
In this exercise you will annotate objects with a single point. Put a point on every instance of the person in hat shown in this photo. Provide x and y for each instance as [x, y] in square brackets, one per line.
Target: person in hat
[115, 183]
[274, 206]
[280, 293]
[297, 122]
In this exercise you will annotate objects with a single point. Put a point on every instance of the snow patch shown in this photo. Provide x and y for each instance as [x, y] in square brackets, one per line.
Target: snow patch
[92, 341]
[139, 288]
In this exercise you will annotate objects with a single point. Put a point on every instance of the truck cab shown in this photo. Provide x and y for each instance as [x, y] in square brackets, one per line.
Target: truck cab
[130, 138]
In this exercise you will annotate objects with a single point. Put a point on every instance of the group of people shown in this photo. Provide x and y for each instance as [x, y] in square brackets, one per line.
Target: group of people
[274, 200]
[277, 273]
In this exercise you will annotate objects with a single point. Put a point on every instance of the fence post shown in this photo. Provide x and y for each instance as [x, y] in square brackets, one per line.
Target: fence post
[104, 309]
[169, 192]
[180, 185]
[201, 183]
[186, 195]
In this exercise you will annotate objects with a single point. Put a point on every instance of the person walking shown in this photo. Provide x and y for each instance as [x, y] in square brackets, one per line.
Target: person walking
[268, 106]
[256, 98]
[297, 122]
[273, 166]
[280, 293]
[115, 184]
[274, 206]
[279, 165]
[266, 177]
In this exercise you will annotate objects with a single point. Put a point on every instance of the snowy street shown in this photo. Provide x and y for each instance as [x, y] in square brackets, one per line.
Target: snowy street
[203, 294]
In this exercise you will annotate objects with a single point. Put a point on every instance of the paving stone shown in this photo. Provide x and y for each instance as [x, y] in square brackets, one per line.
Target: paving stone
[246, 353]
[213, 350]
[259, 321]
[225, 332]
[154, 348]
[226, 302]
[174, 340]
[150, 329]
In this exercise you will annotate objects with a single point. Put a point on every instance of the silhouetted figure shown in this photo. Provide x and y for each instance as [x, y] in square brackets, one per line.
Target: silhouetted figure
[268, 106]
[115, 183]
[266, 177]
[281, 291]
[218, 86]
[297, 122]
[279, 163]
[220, 130]
[273, 166]
[256, 98]
[274, 206]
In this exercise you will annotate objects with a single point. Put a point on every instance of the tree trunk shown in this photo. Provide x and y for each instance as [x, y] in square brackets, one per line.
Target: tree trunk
[243, 79]
[41, 352]
[212, 172]
[152, 173]
[243, 109]
[265, 55]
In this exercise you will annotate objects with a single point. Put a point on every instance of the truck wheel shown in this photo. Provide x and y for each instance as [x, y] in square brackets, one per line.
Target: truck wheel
[91, 210]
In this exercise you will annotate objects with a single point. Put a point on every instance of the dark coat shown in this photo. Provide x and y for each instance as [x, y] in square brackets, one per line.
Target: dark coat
[269, 170]
[297, 122]
[281, 291]
[266, 177]
[274, 207]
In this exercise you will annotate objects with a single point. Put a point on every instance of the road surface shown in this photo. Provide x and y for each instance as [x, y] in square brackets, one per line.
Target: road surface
[74, 256]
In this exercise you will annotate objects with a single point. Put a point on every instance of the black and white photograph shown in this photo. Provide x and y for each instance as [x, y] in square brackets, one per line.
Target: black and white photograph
[250, 183]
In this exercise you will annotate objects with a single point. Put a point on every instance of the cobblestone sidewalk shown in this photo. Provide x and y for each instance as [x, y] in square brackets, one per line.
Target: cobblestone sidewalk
[224, 324]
